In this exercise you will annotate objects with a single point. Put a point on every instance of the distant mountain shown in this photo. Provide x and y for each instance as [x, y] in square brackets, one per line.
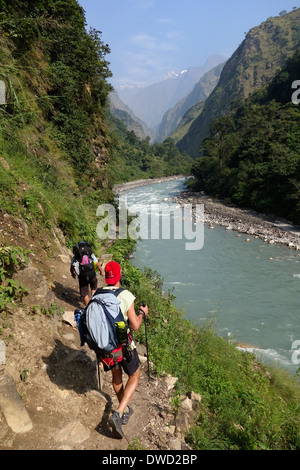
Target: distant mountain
[173, 117]
[151, 103]
[125, 114]
[254, 64]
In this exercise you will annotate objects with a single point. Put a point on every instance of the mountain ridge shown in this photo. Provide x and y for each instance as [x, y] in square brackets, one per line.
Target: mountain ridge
[121, 111]
[254, 63]
[202, 89]
[150, 103]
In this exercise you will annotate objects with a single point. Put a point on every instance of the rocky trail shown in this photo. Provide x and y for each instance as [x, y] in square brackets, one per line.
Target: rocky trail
[49, 385]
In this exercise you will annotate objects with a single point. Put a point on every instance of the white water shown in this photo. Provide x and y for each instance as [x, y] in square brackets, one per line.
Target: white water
[249, 289]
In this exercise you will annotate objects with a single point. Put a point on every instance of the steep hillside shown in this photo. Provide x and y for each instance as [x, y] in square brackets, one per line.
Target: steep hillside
[173, 117]
[253, 157]
[54, 139]
[259, 57]
[187, 120]
[132, 123]
[57, 137]
[49, 384]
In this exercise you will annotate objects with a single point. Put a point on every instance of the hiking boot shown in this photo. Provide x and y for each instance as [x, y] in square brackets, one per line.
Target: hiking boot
[126, 415]
[115, 422]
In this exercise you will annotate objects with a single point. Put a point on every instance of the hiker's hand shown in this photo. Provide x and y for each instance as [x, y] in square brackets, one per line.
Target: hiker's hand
[143, 310]
[100, 269]
[72, 271]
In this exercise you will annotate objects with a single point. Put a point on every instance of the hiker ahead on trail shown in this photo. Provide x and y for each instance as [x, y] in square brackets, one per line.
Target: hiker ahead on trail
[83, 265]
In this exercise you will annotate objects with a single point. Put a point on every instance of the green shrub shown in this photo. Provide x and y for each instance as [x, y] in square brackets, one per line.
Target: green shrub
[11, 259]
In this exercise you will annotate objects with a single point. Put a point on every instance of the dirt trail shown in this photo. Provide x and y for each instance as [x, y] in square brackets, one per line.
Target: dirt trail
[60, 387]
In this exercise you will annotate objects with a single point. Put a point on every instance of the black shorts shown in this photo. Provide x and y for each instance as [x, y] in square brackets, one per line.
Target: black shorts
[84, 285]
[129, 367]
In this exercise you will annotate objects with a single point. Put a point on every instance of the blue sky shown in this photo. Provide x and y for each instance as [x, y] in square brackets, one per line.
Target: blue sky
[150, 38]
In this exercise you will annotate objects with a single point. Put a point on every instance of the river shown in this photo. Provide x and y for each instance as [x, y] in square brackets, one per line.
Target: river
[248, 289]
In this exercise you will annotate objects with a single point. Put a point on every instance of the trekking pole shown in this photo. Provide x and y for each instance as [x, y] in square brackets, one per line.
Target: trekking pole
[99, 376]
[145, 323]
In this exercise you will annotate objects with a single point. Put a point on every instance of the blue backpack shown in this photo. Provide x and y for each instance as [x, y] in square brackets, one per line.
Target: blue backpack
[98, 324]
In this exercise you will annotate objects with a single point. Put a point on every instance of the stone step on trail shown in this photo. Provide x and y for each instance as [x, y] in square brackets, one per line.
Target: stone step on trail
[13, 407]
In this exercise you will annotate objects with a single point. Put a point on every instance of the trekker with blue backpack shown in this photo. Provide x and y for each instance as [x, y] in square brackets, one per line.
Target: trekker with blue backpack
[105, 325]
[130, 366]
[83, 267]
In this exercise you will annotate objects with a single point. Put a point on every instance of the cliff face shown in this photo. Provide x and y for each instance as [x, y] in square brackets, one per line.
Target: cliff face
[263, 52]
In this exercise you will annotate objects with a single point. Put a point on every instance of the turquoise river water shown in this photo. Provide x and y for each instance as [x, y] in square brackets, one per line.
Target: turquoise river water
[250, 290]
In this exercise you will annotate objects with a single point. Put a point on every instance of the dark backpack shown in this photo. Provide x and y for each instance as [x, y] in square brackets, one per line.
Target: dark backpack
[83, 254]
[103, 327]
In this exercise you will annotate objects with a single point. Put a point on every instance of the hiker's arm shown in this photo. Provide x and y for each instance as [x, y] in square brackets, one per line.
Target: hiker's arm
[134, 320]
[72, 271]
[100, 268]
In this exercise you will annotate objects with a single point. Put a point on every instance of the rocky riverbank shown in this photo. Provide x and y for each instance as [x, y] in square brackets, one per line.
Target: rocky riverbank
[270, 228]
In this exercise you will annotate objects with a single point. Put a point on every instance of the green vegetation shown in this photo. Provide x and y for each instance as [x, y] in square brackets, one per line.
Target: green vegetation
[176, 121]
[58, 162]
[11, 259]
[52, 124]
[253, 157]
[188, 118]
[56, 136]
[264, 51]
[133, 158]
[245, 405]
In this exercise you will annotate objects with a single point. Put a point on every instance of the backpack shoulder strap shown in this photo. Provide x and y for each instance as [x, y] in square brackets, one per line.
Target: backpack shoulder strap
[118, 291]
[103, 290]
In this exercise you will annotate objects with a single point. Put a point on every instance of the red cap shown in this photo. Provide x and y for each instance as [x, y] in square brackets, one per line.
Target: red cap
[112, 272]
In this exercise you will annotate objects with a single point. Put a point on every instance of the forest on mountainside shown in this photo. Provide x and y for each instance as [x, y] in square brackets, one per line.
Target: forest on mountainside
[256, 61]
[134, 158]
[253, 156]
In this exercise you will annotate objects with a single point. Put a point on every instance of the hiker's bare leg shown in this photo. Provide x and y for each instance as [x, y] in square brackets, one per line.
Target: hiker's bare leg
[86, 300]
[124, 394]
[117, 382]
